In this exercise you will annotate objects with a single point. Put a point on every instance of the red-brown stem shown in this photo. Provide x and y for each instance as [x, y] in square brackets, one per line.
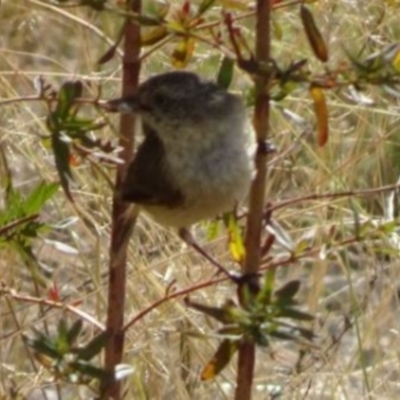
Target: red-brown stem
[122, 215]
[246, 359]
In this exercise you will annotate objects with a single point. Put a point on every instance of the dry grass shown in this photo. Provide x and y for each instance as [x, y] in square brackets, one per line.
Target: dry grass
[356, 282]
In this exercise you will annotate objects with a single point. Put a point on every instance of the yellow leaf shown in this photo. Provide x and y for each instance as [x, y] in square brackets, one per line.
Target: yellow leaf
[241, 5]
[221, 358]
[321, 112]
[152, 36]
[396, 60]
[183, 52]
[236, 245]
[176, 27]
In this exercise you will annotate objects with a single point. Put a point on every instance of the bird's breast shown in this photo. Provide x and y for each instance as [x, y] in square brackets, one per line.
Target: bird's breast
[212, 179]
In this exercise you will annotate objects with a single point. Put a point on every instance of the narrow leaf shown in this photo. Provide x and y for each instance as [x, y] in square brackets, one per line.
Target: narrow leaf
[321, 112]
[42, 345]
[395, 57]
[239, 5]
[97, 5]
[204, 6]
[68, 93]
[183, 52]
[145, 20]
[220, 314]
[213, 229]
[296, 314]
[62, 157]
[93, 347]
[289, 290]
[38, 197]
[313, 34]
[74, 332]
[152, 36]
[236, 245]
[108, 55]
[248, 289]
[225, 73]
[90, 370]
[283, 335]
[221, 358]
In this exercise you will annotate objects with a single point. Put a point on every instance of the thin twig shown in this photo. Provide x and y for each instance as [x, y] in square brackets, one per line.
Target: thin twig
[51, 303]
[174, 295]
[330, 196]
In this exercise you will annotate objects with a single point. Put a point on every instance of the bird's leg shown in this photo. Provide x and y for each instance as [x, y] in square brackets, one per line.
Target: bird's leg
[188, 238]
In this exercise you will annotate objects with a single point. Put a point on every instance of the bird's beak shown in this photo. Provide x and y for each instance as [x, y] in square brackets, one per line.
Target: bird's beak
[122, 105]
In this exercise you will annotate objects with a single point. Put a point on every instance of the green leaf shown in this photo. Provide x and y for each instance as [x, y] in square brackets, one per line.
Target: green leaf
[93, 347]
[42, 345]
[77, 125]
[62, 343]
[62, 328]
[295, 314]
[288, 291]
[62, 156]
[213, 229]
[283, 335]
[97, 5]
[146, 20]
[38, 197]
[223, 315]
[68, 93]
[259, 337]
[225, 73]
[74, 332]
[248, 289]
[221, 358]
[89, 369]
[204, 6]
[290, 332]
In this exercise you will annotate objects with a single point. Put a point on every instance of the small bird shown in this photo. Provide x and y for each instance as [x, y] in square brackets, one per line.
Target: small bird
[196, 159]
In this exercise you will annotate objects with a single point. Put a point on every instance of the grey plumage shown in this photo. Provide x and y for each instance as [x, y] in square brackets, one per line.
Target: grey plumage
[196, 160]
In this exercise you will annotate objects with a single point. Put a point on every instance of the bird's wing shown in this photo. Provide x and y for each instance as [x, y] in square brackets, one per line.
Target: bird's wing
[147, 181]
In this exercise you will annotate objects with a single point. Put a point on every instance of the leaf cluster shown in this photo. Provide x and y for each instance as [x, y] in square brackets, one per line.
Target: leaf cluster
[19, 221]
[62, 354]
[69, 131]
[261, 316]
